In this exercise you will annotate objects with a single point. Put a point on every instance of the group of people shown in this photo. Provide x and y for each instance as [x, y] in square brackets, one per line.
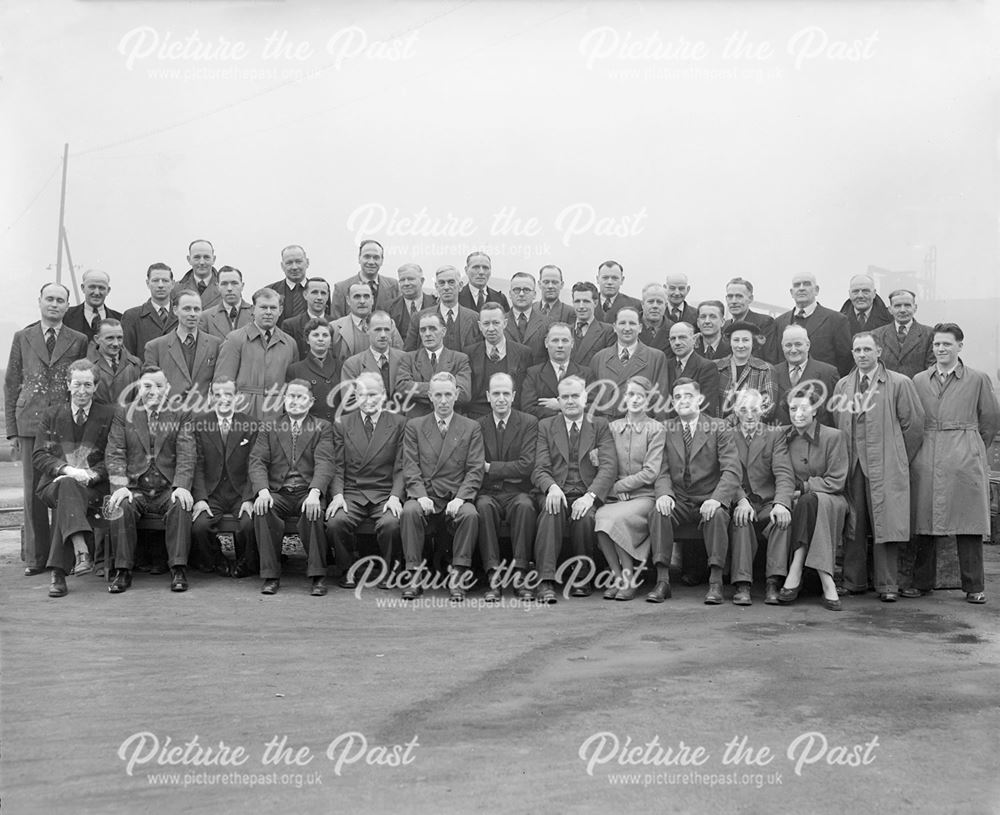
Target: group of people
[607, 430]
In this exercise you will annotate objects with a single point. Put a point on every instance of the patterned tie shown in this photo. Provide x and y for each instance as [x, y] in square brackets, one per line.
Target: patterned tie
[373, 285]
[580, 330]
[606, 307]
[114, 366]
[480, 300]
[189, 341]
[624, 356]
[95, 322]
[154, 416]
[688, 439]
[560, 372]
[202, 285]
[794, 374]
[50, 340]
[413, 307]
[443, 427]
[449, 323]
[163, 314]
[495, 355]
[864, 384]
[901, 333]
[369, 429]
[267, 337]
[364, 326]
[81, 417]
[546, 308]
[800, 315]
[862, 319]
[677, 315]
[234, 316]
[296, 430]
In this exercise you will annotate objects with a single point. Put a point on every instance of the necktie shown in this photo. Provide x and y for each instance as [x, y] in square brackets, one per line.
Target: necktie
[202, 285]
[234, 315]
[864, 384]
[368, 427]
[267, 337]
[154, 415]
[522, 323]
[686, 433]
[80, 417]
[296, 430]
[383, 368]
[606, 306]
[677, 315]
[413, 307]
[189, 341]
[163, 314]
[501, 426]
[495, 355]
[901, 333]
[95, 322]
[580, 329]
[373, 285]
[800, 315]
[364, 326]
[50, 340]
[624, 356]
[546, 308]
[450, 322]
[574, 441]
[443, 427]
[434, 360]
[794, 374]
[560, 372]
[480, 300]
[114, 365]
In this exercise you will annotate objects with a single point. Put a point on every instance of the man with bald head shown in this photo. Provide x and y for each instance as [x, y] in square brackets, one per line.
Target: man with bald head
[678, 310]
[863, 308]
[87, 316]
[610, 276]
[202, 277]
[800, 371]
[383, 289]
[684, 363]
[829, 330]
[292, 287]
[412, 298]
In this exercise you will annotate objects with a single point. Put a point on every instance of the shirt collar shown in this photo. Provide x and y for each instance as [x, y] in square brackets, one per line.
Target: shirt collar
[683, 361]
[447, 422]
[516, 314]
[445, 309]
[630, 348]
[959, 370]
[374, 417]
[811, 434]
[808, 309]
[752, 434]
[358, 321]
[497, 421]
[577, 422]
[500, 346]
[377, 354]
[183, 335]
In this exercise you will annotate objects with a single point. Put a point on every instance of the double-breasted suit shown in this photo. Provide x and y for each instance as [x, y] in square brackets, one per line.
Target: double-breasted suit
[911, 356]
[140, 324]
[597, 336]
[541, 382]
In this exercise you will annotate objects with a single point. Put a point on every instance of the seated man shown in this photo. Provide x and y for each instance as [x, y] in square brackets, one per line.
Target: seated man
[72, 478]
[150, 458]
[367, 476]
[224, 440]
[763, 500]
[571, 484]
[290, 470]
[698, 481]
[509, 440]
[540, 388]
[443, 470]
[418, 367]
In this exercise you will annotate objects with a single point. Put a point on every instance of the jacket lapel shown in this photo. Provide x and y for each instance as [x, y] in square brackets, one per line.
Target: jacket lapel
[587, 436]
[562, 438]
[174, 349]
[62, 343]
[36, 339]
[700, 436]
[200, 352]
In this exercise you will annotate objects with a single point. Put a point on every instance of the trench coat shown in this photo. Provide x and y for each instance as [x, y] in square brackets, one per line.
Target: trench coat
[259, 372]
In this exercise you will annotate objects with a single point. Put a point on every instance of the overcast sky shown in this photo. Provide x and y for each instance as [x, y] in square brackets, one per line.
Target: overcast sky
[713, 138]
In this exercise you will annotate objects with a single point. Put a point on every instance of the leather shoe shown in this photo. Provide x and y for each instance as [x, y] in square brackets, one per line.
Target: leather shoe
[833, 605]
[660, 592]
[580, 591]
[547, 594]
[610, 593]
[771, 593]
[84, 565]
[122, 580]
[493, 595]
[913, 592]
[31, 571]
[627, 593]
[178, 580]
[346, 583]
[58, 587]
[714, 595]
[271, 586]
[456, 594]
[888, 597]
[524, 593]
[412, 592]
[742, 596]
[787, 595]
[318, 587]
[977, 597]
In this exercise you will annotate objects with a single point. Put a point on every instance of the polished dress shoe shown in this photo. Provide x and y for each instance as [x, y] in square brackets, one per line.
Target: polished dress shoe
[547, 594]
[713, 596]
[977, 597]
[31, 571]
[493, 595]
[742, 596]
[787, 595]
[121, 581]
[580, 591]
[412, 592]
[771, 593]
[627, 593]
[456, 594]
[271, 586]
[833, 605]
[84, 565]
[318, 587]
[58, 587]
[888, 597]
[913, 592]
[346, 583]
[660, 592]
[610, 593]
[524, 593]
[178, 579]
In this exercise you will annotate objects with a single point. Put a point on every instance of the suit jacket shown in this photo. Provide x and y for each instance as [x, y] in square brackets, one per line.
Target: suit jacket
[658, 338]
[606, 366]
[212, 293]
[443, 467]
[714, 466]
[294, 326]
[399, 311]
[511, 463]
[347, 340]
[878, 315]
[415, 374]
[559, 312]
[533, 335]
[36, 380]
[293, 299]
[722, 350]
[365, 362]
[689, 314]
[464, 332]
[492, 296]
[75, 318]
[813, 371]
[765, 466]
[56, 447]
[215, 320]
[829, 337]
[620, 301]
[128, 455]
[763, 342]
[599, 335]
[167, 353]
[705, 372]
[540, 383]
[141, 324]
[271, 457]
[915, 354]
[217, 457]
[324, 380]
[371, 470]
[552, 456]
[388, 290]
[515, 363]
[111, 384]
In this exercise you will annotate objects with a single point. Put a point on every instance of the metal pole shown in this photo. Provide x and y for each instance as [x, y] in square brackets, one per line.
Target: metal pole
[62, 211]
[72, 270]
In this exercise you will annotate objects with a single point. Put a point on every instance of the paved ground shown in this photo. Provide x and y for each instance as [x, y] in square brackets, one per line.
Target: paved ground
[499, 702]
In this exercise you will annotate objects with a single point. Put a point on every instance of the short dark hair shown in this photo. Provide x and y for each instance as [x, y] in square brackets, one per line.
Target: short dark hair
[157, 267]
[741, 281]
[149, 369]
[178, 292]
[492, 305]
[319, 280]
[950, 328]
[478, 254]
[231, 269]
[558, 324]
[81, 365]
[686, 380]
[305, 383]
[365, 242]
[586, 285]
[874, 339]
[714, 304]
[612, 263]
[428, 315]
[313, 323]
[41, 291]
[550, 266]
[109, 321]
[224, 379]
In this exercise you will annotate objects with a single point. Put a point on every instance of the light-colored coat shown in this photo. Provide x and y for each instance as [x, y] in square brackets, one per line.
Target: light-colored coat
[257, 370]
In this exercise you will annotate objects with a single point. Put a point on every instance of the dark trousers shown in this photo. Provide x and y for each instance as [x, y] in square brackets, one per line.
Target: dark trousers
[204, 533]
[970, 561]
[414, 525]
[36, 515]
[270, 531]
[69, 500]
[177, 536]
[743, 546]
[688, 510]
[340, 530]
[519, 511]
[549, 537]
[885, 556]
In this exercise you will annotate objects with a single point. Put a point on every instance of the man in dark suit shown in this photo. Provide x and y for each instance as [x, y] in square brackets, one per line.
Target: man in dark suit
[800, 371]
[40, 356]
[763, 499]
[321, 368]
[655, 330]
[678, 310]
[710, 342]
[590, 335]
[291, 467]
[72, 478]
[906, 344]
[367, 477]
[380, 358]
[292, 287]
[384, 289]
[153, 318]
[476, 293]
[412, 298]
[461, 324]
[150, 458]
[443, 469]
[186, 355]
[525, 324]
[116, 369]
[495, 353]
[224, 440]
[550, 283]
[684, 363]
[509, 438]
[829, 331]
[317, 297]
[739, 296]
[540, 390]
[232, 311]
[613, 367]
[863, 308]
[87, 316]
[418, 367]
[572, 486]
[697, 483]
[202, 277]
[610, 276]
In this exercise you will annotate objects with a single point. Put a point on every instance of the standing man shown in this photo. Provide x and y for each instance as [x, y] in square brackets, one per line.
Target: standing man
[202, 277]
[317, 308]
[493, 354]
[550, 282]
[351, 334]
[40, 356]
[610, 276]
[526, 325]
[710, 342]
[739, 296]
[613, 367]
[412, 298]
[232, 311]
[367, 476]
[87, 316]
[882, 419]
[257, 357]
[684, 363]
[443, 469]
[186, 355]
[320, 367]
[384, 289]
[290, 468]
[150, 458]
[476, 293]
[380, 358]
[655, 327]
[115, 368]
[863, 308]
[799, 372]
[292, 287]
[153, 318]
[461, 324]
[418, 368]
[678, 310]
[829, 331]
[509, 438]
[906, 344]
[590, 335]
[540, 391]
[950, 480]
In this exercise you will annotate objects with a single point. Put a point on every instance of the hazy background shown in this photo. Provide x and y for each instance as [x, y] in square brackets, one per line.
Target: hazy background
[557, 132]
